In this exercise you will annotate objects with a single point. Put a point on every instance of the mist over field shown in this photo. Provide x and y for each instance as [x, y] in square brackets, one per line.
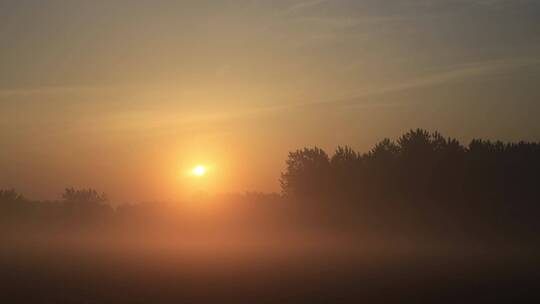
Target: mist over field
[347, 227]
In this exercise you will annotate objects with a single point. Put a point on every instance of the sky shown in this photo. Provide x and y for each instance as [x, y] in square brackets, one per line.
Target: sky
[127, 96]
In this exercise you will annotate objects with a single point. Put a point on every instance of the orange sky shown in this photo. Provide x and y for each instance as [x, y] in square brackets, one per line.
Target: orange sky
[127, 96]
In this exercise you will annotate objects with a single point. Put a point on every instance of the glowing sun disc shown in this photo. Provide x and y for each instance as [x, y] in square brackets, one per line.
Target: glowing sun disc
[199, 170]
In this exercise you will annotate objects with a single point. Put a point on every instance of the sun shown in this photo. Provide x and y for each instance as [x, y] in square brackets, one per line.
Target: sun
[199, 170]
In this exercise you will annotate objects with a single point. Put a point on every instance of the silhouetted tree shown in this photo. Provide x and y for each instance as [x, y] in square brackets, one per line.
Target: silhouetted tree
[10, 195]
[307, 173]
[10, 202]
[84, 206]
[84, 196]
[345, 165]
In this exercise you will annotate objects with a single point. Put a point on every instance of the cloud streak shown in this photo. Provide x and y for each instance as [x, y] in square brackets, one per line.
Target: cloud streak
[448, 75]
[304, 5]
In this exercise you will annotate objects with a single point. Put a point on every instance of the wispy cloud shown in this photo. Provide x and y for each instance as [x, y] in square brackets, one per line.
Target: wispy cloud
[460, 72]
[48, 90]
[451, 74]
[435, 77]
[304, 5]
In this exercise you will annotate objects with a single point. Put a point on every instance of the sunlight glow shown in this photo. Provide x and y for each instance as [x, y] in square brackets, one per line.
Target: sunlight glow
[199, 170]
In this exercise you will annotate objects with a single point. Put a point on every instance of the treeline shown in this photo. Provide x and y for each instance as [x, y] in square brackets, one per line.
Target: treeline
[77, 207]
[427, 178]
[418, 164]
[87, 210]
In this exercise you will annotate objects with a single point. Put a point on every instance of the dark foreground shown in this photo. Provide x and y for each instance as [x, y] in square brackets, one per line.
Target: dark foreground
[211, 274]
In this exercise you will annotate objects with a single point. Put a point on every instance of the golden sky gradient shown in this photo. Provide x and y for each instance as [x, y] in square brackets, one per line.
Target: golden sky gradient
[127, 96]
